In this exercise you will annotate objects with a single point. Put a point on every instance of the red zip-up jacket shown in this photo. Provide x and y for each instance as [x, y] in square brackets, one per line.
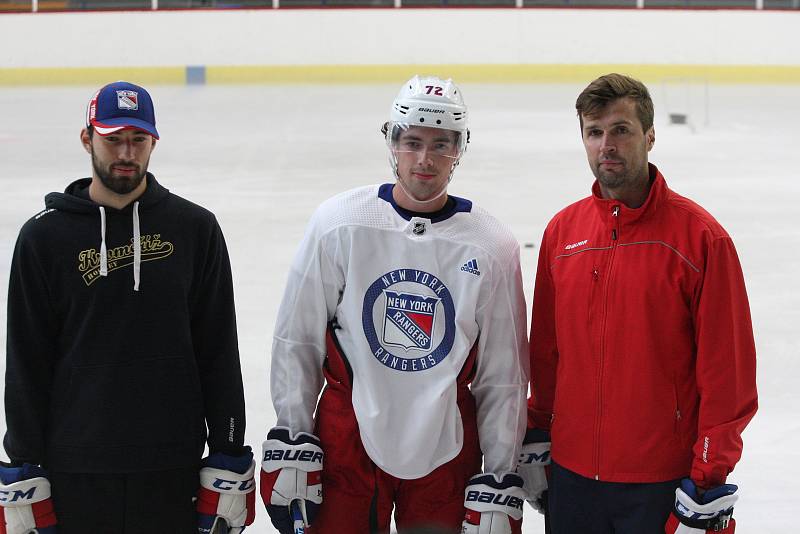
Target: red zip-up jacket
[642, 354]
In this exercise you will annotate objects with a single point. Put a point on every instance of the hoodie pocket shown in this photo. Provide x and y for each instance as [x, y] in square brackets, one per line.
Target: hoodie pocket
[155, 401]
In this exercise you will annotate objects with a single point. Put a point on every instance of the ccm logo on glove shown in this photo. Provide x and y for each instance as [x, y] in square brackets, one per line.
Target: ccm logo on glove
[231, 485]
[17, 495]
[533, 458]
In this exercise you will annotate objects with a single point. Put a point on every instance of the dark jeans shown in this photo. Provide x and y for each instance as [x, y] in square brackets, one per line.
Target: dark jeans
[586, 506]
[156, 502]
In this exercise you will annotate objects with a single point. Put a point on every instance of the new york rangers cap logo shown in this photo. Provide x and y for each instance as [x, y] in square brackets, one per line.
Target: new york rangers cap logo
[121, 106]
[409, 320]
[128, 100]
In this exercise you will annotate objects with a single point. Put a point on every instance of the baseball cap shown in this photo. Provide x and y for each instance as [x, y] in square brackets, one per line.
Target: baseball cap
[119, 106]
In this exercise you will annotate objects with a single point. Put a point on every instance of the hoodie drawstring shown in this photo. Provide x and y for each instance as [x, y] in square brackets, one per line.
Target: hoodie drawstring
[137, 247]
[103, 252]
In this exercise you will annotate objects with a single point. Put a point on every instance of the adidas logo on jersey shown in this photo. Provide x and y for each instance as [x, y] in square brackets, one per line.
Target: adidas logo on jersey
[471, 267]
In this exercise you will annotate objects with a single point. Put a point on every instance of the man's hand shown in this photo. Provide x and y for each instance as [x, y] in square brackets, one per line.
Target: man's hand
[534, 460]
[291, 472]
[494, 504]
[25, 503]
[697, 514]
[226, 499]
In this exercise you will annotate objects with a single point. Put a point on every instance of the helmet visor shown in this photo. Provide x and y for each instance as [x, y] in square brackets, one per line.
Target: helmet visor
[436, 143]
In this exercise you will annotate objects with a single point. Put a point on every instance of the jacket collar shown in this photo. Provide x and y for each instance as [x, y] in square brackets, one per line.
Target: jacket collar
[606, 206]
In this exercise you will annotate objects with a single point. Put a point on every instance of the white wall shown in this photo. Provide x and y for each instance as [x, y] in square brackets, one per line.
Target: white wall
[407, 36]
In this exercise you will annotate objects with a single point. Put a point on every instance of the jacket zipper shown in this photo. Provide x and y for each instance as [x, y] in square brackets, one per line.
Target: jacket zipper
[606, 283]
[677, 410]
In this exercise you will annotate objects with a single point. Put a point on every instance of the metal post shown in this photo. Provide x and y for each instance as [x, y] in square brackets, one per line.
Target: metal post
[759, 4]
[639, 4]
[35, 6]
[276, 4]
[154, 5]
[398, 3]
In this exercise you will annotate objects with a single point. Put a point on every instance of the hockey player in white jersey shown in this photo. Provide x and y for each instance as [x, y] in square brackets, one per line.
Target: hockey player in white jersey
[407, 302]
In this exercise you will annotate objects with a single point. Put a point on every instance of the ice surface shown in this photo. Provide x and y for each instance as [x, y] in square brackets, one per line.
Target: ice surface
[263, 157]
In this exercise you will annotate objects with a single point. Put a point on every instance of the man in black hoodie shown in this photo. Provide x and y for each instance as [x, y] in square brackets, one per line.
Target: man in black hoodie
[122, 356]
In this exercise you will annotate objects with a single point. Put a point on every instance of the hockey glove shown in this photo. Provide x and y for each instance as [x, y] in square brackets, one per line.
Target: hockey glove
[291, 471]
[534, 460]
[494, 506]
[25, 504]
[696, 514]
[227, 494]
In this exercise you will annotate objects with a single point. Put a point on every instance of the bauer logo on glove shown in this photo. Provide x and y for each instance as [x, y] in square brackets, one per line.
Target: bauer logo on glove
[494, 497]
[493, 504]
[292, 455]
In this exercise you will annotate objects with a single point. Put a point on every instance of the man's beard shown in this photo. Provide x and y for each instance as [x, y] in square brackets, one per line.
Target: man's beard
[121, 185]
[614, 180]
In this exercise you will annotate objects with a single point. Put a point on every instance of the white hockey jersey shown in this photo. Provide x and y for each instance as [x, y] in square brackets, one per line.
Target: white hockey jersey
[412, 296]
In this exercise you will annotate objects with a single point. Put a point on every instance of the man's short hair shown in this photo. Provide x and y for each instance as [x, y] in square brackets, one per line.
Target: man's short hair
[611, 87]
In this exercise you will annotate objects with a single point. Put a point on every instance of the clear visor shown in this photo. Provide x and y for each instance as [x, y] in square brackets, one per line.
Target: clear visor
[423, 140]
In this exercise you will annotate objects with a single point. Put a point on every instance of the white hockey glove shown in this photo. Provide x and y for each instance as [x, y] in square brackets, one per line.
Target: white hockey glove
[533, 462]
[494, 505]
[291, 478]
[25, 504]
[226, 498]
[694, 514]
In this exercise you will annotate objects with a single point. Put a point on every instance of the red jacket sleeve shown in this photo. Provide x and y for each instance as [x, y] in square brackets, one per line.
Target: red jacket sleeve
[543, 349]
[726, 365]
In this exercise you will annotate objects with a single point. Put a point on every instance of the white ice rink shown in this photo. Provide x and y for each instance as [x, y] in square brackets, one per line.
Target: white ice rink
[263, 157]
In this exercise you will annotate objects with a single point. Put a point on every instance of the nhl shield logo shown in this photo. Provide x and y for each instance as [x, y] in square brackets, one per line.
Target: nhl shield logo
[419, 228]
[409, 320]
[128, 100]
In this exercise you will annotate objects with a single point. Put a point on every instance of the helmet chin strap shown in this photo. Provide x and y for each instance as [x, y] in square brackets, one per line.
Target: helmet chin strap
[415, 199]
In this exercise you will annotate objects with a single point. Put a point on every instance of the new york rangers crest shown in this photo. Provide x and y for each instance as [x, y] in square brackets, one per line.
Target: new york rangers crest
[409, 320]
[128, 100]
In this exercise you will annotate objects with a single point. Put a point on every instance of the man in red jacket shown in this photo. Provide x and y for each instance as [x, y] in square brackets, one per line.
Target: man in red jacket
[642, 352]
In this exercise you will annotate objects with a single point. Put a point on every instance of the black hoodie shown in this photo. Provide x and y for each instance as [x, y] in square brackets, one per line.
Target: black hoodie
[103, 377]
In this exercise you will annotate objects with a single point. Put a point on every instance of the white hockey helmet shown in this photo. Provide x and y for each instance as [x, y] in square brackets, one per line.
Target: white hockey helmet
[427, 101]
[431, 102]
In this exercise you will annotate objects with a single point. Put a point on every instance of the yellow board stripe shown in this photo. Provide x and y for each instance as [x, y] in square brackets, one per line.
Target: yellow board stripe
[499, 73]
[313, 74]
[91, 75]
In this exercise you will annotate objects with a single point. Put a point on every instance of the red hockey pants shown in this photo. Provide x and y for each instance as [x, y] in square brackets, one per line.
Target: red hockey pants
[358, 497]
